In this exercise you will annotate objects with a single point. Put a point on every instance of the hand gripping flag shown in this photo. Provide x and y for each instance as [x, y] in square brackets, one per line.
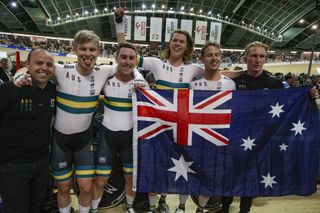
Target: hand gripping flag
[243, 143]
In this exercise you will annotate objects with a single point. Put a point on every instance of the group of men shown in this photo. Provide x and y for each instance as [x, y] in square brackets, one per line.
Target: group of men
[26, 114]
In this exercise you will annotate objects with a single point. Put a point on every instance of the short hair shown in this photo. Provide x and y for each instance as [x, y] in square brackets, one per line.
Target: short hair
[208, 44]
[84, 36]
[187, 56]
[126, 45]
[254, 44]
[3, 60]
[36, 49]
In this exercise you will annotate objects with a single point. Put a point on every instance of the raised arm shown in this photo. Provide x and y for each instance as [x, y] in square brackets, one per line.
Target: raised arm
[118, 18]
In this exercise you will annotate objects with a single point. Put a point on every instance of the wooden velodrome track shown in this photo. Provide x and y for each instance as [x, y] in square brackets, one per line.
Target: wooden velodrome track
[274, 68]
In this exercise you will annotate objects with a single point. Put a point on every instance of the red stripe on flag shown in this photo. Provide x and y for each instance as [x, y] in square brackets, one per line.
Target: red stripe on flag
[142, 137]
[223, 140]
[151, 97]
[214, 99]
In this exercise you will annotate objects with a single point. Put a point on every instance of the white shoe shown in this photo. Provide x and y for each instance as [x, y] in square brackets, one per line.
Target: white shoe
[130, 210]
[178, 210]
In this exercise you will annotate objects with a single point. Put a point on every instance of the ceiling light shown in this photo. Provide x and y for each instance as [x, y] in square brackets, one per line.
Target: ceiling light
[13, 4]
[163, 6]
[314, 27]
[182, 8]
[96, 10]
[301, 21]
[153, 6]
[191, 9]
[143, 6]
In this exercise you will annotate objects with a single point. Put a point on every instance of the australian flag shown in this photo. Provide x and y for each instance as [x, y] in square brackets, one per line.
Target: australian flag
[243, 143]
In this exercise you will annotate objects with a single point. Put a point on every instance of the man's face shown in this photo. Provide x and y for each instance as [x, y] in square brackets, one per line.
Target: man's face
[211, 59]
[178, 45]
[4, 64]
[40, 67]
[255, 60]
[126, 60]
[87, 54]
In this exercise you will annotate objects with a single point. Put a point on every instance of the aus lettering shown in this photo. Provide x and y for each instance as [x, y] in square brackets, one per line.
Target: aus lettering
[73, 77]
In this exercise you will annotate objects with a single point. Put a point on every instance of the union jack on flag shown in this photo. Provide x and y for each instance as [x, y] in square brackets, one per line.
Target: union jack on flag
[232, 143]
[185, 114]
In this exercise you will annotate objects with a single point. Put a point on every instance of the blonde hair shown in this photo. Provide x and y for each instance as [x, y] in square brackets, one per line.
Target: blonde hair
[84, 36]
[254, 44]
[208, 44]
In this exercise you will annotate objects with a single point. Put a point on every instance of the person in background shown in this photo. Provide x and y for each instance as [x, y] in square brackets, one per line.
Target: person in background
[5, 75]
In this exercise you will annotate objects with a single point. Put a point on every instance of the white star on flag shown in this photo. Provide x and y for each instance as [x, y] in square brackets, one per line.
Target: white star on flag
[283, 147]
[248, 143]
[268, 180]
[276, 110]
[181, 168]
[298, 127]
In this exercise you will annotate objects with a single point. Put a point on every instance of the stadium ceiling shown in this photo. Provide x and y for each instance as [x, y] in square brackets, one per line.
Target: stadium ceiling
[243, 21]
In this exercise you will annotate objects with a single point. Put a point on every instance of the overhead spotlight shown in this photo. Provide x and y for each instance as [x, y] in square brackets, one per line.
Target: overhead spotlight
[86, 12]
[280, 36]
[209, 13]
[243, 23]
[227, 17]
[182, 8]
[171, 8]
[77, 14]
[58, 18]
[314, 27]
[191, 9]
[272, 33]
[301, 21]
[265, 30]
[163, 6]
[153, 6]
[14, 4]
[67, 16]
[114, 8]
[106, 9]
[49, 20]
[200, 11]
[258, 28]
[144, 6]
[96, 10]
[218, 15]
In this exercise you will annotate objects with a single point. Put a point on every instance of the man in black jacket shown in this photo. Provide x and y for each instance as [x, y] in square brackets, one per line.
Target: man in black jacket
[25, 120]
[254, 78]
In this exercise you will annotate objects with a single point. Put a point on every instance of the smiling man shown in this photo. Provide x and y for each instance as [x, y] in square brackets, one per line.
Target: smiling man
[25, 118]
[117, 127]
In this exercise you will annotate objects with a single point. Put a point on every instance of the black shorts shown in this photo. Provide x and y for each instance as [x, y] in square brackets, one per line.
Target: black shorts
[72, 152]
[114, 144]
